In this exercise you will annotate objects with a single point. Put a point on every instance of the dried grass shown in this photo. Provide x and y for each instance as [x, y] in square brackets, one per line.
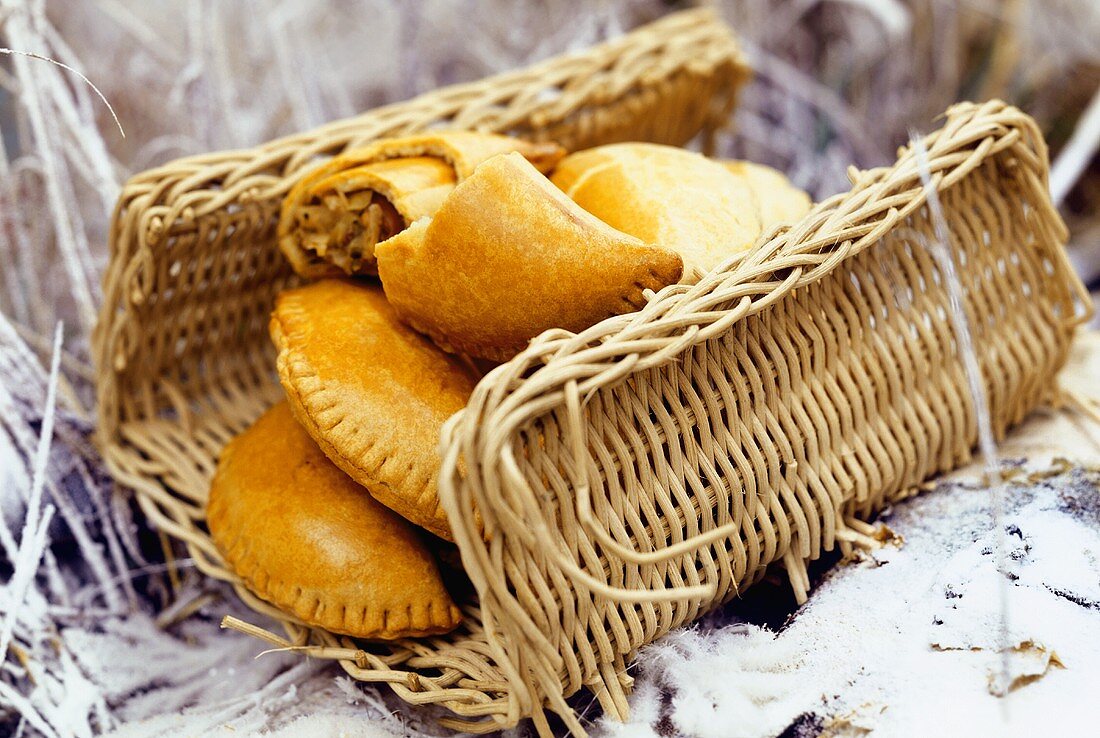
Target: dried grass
[839, 82]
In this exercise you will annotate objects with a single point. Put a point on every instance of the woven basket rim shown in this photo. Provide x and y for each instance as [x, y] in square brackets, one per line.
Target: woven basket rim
[673, 30]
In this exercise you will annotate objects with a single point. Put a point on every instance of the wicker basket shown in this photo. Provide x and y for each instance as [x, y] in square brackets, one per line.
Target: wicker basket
[634, 476]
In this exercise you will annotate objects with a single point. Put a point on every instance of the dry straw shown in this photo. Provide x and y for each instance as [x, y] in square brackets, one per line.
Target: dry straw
[641, 473]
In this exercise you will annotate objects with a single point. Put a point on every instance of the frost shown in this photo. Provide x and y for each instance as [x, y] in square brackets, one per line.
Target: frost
[103, 639]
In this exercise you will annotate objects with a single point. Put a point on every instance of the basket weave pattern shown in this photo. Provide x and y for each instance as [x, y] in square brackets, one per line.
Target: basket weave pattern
[638, 474]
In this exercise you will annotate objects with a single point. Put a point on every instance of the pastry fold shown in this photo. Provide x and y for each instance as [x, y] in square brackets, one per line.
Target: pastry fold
[667, 196]
[508, 256]
[306, 538]
[333, 219]
[372, 392]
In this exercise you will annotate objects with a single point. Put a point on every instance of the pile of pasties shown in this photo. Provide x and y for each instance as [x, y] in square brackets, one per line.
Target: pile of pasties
[433, 257]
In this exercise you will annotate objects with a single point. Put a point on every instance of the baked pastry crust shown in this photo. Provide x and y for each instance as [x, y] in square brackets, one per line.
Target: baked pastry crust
[306, 538]
[333, 218]
[508, 256]
[667, 196]
[776, 199]
[372, 392]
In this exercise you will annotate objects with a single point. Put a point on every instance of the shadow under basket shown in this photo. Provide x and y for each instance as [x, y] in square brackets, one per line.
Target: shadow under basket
[639, 474]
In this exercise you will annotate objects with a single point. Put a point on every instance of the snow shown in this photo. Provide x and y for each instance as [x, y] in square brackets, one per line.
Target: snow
[905, 642]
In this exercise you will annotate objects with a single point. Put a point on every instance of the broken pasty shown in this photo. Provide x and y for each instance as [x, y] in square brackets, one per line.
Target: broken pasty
[335, 216]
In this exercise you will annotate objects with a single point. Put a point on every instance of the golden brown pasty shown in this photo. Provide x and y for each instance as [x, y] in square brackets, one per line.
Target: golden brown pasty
[306, 538]
[335, 216]
[371, 391]
[508, 256]
[776, 199]
[667, 196]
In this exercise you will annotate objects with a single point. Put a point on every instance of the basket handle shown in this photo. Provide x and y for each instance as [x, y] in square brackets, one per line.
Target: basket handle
[588, 522]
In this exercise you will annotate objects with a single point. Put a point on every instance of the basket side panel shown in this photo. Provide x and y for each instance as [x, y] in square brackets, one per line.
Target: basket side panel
[625, 501]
